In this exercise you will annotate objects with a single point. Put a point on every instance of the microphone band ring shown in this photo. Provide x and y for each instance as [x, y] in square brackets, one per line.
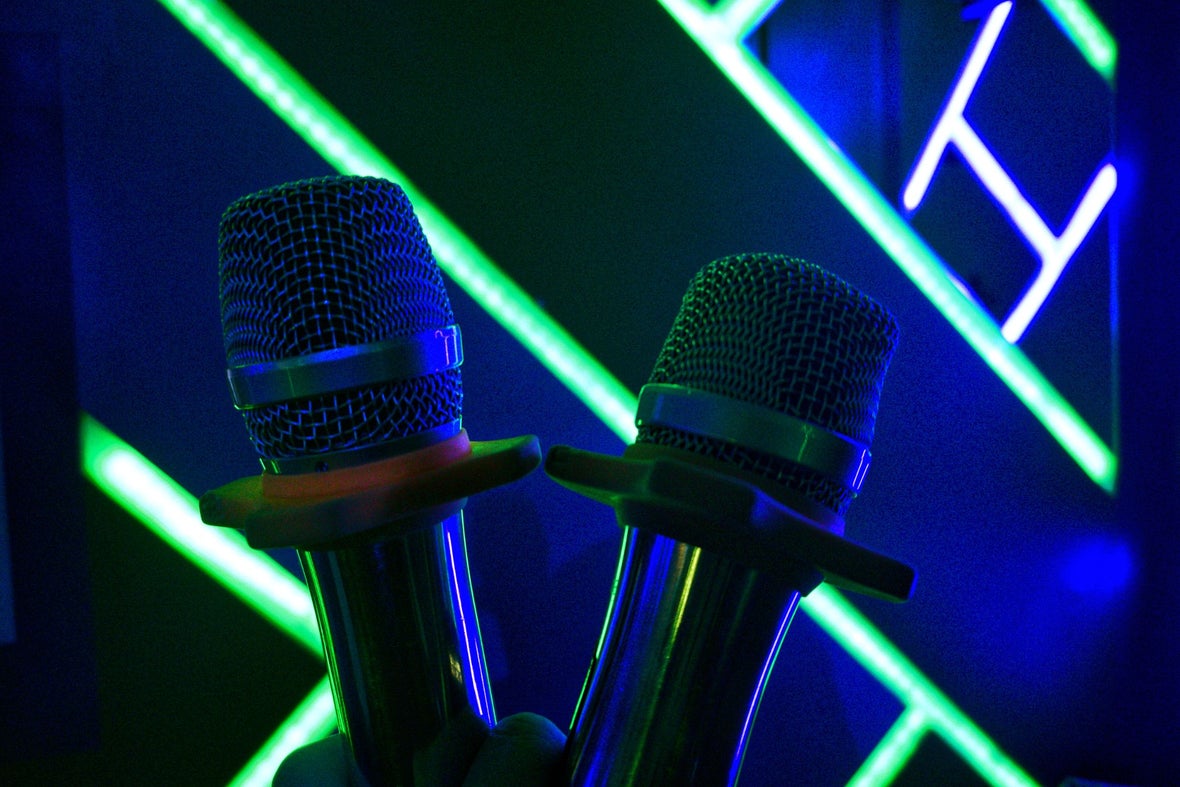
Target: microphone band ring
[353, 457]
[345, 368]
[808, 445]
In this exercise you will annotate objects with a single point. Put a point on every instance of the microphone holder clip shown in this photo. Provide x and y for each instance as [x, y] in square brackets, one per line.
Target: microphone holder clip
[387, 502]
[709, 507]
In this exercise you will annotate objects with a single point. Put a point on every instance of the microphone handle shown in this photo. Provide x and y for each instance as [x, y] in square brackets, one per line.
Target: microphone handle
[403, 648]
[671, 697]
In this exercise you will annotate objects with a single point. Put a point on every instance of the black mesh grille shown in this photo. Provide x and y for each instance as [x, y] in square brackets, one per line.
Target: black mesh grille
[784, 334]
[326, 263]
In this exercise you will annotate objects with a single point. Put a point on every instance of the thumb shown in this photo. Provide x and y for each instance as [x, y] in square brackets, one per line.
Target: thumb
[523, 750]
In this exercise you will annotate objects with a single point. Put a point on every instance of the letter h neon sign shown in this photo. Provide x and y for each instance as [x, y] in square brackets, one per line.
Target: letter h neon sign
[953, 128]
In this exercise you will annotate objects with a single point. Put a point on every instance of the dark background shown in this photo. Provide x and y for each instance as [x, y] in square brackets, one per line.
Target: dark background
[597, 155]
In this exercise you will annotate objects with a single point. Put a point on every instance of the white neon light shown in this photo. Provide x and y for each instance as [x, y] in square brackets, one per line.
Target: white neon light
[941, 135]
[1055, 256]
[953, 128]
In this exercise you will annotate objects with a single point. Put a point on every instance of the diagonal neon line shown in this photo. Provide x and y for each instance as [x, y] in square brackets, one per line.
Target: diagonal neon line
[952, 128]
[312, 719]
[1087, 33]
[169, 511]
[952, 115]
[328, 133]
[892, 751]
[865, 643]
[739, 17]
[915, 258]
[331, 135]
[1058, 255]
[255, 578]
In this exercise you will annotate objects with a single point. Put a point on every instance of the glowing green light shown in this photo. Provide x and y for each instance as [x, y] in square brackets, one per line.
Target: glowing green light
[1087, 33]
[171, 513]
[835, 615]
[738, 17]
[312, 719]
[892, 751]
[346, 149]
[917, 260]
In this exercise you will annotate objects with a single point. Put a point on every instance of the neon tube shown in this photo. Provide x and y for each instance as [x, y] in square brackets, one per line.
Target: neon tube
[1087, 33]
[171, 513]
[893, 751]
[312, 719]
[953, 128]
[941, 134]
[865, 643]
[323, 128]
[929, 273]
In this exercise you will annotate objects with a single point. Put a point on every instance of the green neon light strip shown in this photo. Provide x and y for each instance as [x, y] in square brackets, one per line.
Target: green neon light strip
[346, 149]
[836, 615]
[312, 719]
[171, 513]
[740, 17]
[896, 238]
[329, 134]
[1087, 33]
[892, 751]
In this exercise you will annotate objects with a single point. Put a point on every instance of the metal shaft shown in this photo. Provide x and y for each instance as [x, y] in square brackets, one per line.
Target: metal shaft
[402, 645]
[672, 696]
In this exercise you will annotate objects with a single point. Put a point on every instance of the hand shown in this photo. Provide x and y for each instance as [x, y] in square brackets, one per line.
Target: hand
[523, 750]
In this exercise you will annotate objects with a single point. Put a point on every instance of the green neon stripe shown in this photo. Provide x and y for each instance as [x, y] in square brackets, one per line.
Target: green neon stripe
[892, 751]
[171, 513]
[740, 17]
[865, 643]
[895, 236]
[312, 719]
[346, 149]
[1083, 27]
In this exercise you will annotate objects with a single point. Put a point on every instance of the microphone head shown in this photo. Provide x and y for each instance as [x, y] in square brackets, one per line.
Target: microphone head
[785, 335]
[323, 264]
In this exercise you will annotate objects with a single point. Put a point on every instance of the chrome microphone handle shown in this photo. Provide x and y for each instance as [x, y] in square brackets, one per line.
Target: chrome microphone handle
[710, 576]
[382, 546]
[672, 694]
[402, 646]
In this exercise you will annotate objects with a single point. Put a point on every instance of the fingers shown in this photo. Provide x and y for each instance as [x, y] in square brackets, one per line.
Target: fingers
[446, 760]
[325, 763]
[523, 750]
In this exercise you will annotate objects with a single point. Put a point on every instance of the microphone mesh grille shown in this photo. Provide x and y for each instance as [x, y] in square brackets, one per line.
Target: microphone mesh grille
[327, 263]
[780, 333]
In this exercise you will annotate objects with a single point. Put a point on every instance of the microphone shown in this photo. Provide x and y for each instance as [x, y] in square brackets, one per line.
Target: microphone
[343, 356]
[754, 433]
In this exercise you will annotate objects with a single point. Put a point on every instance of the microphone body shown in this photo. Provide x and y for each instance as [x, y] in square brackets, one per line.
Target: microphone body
[685, 660]
[343, 357]
[405, 660]
[753, 439]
